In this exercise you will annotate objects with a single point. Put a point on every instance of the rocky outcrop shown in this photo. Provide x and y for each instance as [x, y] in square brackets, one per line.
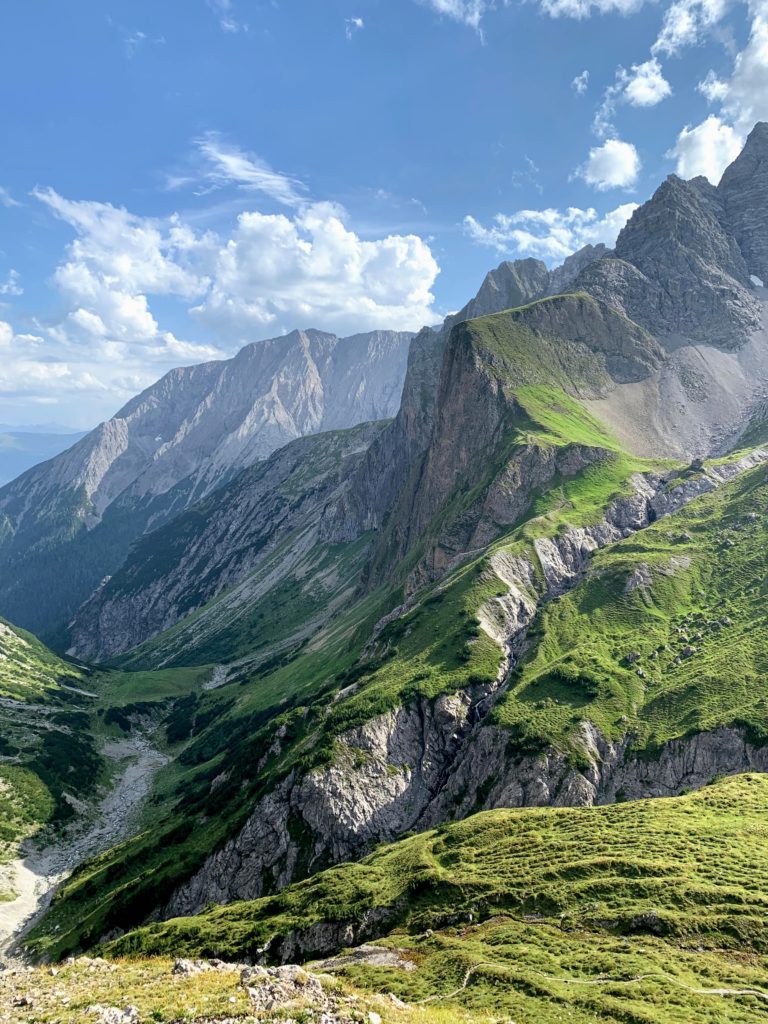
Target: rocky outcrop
[680, 271]
[743, 192]
[472, 442]
[510, 285]
[433, 761]
[562, 278]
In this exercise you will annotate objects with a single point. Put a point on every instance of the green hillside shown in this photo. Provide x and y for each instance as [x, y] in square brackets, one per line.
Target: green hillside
[612, 913]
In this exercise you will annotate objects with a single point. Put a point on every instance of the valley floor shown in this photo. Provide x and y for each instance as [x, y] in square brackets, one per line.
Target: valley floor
[34, 877]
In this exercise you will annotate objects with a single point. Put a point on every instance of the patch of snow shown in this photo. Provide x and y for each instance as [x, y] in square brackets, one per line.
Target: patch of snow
[756, 281]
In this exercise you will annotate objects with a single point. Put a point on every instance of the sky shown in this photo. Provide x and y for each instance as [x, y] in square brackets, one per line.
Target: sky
[179, 179]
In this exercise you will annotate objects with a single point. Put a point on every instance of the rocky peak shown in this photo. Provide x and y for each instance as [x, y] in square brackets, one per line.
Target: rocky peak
[512, 283]
[743, 191]
[678, 220]
[562, 277]
[678, 271]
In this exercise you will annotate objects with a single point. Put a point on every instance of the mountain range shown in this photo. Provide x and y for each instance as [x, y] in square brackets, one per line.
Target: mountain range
[481, 593]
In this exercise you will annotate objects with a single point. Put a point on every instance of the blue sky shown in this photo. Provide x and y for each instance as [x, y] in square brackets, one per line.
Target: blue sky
[180, 178]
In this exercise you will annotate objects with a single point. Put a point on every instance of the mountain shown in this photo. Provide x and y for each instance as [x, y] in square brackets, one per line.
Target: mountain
[74, 518]
[537, 591]
[255, 537]
[20, 449]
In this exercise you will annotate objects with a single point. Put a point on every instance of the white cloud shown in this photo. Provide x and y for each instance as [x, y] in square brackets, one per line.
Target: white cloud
[267, 274]
[615, 164]
[228, 165]
[11, 285]
[353, 25]
[706, 149]
[227, 20]
[645, 85]
[586, 8]
[713, 88]
[686, 22]
[6, 199]
[468, 12]
[549, 234]
[745, 96]
[277, 272]
[580, 83]
[709, 147]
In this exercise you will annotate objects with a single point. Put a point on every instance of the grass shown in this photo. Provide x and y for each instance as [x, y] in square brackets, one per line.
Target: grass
[672, 888]
[693, 622]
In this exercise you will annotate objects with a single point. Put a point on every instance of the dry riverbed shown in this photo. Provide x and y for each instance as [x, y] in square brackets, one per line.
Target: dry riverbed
[35, 875]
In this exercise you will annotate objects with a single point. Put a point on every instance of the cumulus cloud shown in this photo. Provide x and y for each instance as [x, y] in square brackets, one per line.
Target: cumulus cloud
[645, 85]
[712, 88]
[614, 164]
[685, 24]
[549, 234]
[580, 84]
[265, 274]
[276, 272]
[706, 149]
[744, 96]
[353, 25]
[29, 373]
[709, 147]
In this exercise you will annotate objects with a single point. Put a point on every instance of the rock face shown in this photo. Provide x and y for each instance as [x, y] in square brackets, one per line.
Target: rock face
[678, 270]
[511, 284]
[439, 760]
[686, 264]
[220, 542]
[561, 279]
[191, 432]
[460, 439]
[743, 192]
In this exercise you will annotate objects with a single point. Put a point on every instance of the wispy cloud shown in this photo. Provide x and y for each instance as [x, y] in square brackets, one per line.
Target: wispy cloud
[225, 11]
[467, 12]
[6, 199]
[226, 164]
[352, 26]
[11, 285]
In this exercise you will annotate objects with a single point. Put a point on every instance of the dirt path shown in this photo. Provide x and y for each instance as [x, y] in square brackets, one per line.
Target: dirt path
[36, 876]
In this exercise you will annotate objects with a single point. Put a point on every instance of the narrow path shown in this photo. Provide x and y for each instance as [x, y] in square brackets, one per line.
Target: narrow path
[35, 876]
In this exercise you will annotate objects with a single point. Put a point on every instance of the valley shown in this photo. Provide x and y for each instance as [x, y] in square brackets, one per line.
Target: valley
[458, 696]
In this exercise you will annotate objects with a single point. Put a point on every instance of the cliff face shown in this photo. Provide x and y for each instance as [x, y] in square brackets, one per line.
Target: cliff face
[220, 542]
[678, 271]
[172, 445]
[743, 192]
[471, 460]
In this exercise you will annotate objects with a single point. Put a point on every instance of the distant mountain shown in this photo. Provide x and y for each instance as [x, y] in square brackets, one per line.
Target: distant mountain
[22, 448]
[71, 521]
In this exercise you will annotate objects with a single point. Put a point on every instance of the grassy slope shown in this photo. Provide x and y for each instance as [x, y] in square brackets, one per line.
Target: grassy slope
[687, 596]
[676, 889]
